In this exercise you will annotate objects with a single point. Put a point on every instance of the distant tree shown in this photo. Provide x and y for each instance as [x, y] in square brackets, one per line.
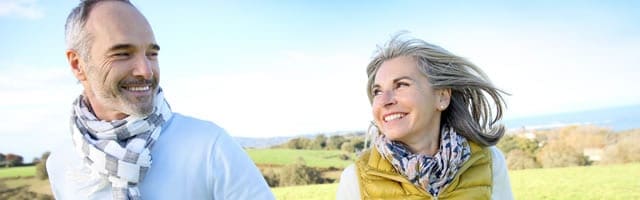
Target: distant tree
[559, 154]
[299, 174]
[358, 143]
[624, 150]
[518, 159]
[13, 160]
[1, 158]
[507, 143]
[320, 142]
[271, 177]
[344, 157]
[298, 143]
[347, 147]
[335, 142]
[513, 142]
[581, 137]
[41, 167]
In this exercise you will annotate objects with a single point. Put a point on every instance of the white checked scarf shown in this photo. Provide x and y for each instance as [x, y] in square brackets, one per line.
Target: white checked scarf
[430, 173]
[118, 151]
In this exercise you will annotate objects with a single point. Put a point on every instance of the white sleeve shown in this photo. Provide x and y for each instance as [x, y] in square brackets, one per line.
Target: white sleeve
[235, 176]
[348, 188]
[501, 188]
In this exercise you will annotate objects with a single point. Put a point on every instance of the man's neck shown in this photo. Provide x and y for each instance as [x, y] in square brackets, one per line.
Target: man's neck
[103, 114]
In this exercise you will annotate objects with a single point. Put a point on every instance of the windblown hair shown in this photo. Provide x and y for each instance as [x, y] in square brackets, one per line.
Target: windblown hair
[473, 96]
[76, 35]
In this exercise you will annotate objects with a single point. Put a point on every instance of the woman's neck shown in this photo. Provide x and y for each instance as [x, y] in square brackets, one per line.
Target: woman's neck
[427, 144]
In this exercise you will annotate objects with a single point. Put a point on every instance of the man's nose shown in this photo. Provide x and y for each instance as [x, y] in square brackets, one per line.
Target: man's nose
[143, 68]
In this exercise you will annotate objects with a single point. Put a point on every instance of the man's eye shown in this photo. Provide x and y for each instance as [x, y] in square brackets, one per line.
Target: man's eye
[152, 54]
[376, 92]
[121, 54]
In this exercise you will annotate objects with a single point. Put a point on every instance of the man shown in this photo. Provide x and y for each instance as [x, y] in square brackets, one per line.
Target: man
[127, 144]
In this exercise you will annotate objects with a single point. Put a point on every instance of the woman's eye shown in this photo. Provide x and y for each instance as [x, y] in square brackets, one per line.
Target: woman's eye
[401, 84]
[376, 92]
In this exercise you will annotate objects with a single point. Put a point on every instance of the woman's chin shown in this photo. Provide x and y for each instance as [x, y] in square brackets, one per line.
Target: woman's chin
[396, 136]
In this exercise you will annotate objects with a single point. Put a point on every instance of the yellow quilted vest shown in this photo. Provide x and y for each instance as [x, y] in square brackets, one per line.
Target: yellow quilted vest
[379, 180]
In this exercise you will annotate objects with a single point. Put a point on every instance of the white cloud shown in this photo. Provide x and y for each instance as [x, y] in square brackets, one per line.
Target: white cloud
[34, 96]
[21, 8]
[35, 104]
[564, 70]
[325, 95]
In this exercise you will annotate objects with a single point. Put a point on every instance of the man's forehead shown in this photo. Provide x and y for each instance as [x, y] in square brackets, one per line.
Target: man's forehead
[115, 12]
[111, 7]
[118, 22]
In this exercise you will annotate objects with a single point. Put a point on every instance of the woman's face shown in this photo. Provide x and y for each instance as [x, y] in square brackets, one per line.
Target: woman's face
[405, 107]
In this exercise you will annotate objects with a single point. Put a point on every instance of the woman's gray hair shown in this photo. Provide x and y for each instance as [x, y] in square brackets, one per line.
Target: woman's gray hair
[76, 35]
[473, 96]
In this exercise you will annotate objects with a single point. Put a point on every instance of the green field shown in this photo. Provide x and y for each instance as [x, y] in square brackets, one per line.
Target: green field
[308, 192]
[17, 171]
[313, 158]
[593, 182]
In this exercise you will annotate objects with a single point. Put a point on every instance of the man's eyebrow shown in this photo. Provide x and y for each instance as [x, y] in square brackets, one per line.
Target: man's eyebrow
[121, 47]
[129, 46]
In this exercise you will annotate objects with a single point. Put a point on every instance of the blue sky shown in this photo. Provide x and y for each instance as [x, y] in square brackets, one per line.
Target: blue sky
[279, 68]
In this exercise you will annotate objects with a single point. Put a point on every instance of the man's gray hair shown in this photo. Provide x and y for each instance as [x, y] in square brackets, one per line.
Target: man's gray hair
[473, 96]
[76, 35]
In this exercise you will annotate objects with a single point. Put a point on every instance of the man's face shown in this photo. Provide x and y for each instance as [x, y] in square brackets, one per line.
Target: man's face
[122, 71]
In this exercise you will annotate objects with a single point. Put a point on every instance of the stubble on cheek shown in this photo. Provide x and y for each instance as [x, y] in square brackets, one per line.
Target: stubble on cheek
[110, 85]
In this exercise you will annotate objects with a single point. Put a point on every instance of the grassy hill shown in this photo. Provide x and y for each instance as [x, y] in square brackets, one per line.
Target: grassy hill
[593, 182]
[313, 158]
[20, 183]
[17, 171]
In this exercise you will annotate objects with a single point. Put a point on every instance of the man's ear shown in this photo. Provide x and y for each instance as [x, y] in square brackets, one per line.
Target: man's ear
[76, 65]
[444, 98]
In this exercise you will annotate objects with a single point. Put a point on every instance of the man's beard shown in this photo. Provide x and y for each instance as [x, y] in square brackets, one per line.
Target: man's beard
[138, 106]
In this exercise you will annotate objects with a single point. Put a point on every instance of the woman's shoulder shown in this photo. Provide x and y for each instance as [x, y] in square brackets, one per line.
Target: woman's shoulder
[349, 171]
[348, 188]
[501, 187]
[496, 155]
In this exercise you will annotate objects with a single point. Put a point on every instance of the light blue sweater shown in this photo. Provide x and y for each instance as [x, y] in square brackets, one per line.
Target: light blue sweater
[192, 159]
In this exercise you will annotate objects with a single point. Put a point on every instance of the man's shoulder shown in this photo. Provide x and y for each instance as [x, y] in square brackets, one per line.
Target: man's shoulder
[193, 131]
[185, 122]
[62, 153]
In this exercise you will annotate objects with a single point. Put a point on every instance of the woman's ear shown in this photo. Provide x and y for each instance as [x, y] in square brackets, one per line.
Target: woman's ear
[444, 98]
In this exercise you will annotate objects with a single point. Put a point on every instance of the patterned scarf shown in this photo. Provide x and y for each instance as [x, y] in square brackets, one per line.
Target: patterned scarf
[118, 151]
[430, 173]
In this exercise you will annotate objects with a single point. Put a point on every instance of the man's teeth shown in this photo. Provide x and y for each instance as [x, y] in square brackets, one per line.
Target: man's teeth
[138, 88]
[393, 117]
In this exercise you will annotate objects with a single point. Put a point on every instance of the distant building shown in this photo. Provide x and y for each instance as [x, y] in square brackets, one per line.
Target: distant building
[594, 154]
[530, 135]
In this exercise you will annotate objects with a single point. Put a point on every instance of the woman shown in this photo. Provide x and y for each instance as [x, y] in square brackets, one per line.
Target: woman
[435, 129]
